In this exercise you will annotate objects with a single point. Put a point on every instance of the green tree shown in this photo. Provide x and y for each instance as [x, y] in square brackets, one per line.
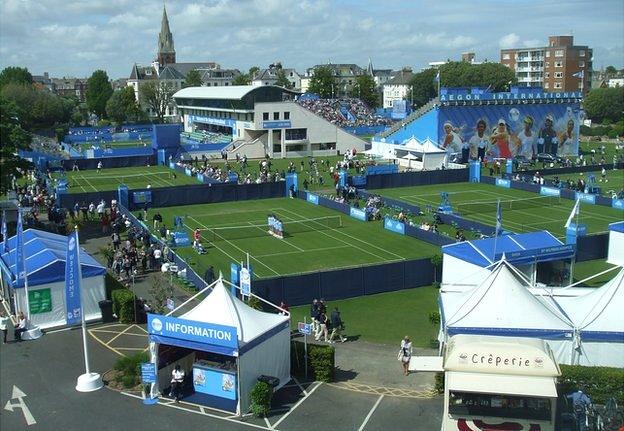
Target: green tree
[80, 114]
[610, 70]
[282, 81]
[604, 104]
[193, 79]
[364, 89]
[242, 79]
[158, 96]
[494, 75]
[423, 87]
[99, 90]
[12, 138]
[15, 75]
[122, 106]
[252, 71]
[37, 108]
[322, 82]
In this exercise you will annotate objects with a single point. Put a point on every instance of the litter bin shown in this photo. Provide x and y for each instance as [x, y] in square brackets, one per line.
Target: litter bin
[106, 307]
[269, 380]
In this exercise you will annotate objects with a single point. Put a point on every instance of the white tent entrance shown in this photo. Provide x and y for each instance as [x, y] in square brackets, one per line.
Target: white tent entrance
[224, 346]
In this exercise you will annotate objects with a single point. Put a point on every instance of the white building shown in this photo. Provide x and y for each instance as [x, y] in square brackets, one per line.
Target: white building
[270, 75]
[398, 88]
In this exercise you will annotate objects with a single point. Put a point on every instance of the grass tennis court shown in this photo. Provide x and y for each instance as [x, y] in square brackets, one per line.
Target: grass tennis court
[135, 178]
[321, 246]
[522, 211]
[614, 179]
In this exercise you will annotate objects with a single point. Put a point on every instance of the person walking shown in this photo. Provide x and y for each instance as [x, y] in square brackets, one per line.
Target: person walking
[4, 321]
[323, 323]
[337, 325]
[405, 354]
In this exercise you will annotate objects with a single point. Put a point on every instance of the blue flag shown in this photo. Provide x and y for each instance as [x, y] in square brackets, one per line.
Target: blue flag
[437, 77]
[580, 74]
[5, 238]
[499, 219]
[20, 265]
[72, 281]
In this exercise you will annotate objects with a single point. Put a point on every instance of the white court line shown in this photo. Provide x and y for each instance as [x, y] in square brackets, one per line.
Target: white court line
[299, 384]
[305, 397]
[88, 182]
[370, 413]
[240, 249]
[303, 251]
[268, 423]
[357, 239]
[173, 406]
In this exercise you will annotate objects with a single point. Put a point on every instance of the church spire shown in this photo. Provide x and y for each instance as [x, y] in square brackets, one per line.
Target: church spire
[166, 51]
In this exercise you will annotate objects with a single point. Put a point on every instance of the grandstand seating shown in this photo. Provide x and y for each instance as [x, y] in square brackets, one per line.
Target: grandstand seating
[348, 112]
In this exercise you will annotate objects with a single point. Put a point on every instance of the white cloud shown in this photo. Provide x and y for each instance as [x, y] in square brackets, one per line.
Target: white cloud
[510, 40]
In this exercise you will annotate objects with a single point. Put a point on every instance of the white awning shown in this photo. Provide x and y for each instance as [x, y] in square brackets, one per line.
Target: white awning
[502, 384]
[426, 363]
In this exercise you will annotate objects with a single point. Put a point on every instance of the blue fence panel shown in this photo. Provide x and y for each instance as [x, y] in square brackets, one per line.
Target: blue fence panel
[111, 162]
[467, 224]
[427, 236]
[383, 278]
[419, 273]
[340, 284]
[592, 247]
[332, 204]
[301, 289]
[422, 178]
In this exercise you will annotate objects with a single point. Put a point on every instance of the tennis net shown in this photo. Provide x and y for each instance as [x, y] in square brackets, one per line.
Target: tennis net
[259, 230]
[516, 204]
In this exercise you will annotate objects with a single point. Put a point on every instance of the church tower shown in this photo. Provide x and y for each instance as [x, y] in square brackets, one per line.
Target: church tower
[166, 51]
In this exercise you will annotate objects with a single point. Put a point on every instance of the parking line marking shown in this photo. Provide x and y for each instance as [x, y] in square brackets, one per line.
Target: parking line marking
[120, 334]
[297, 405]
[268, 423]
[300, 387]
[104, 344]
[370, 413]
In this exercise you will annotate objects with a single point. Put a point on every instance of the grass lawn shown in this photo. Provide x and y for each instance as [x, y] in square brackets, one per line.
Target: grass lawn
[614, 179]
[533, 212]
[310, 246]
[582, 270]
[385, 318]
[134, 178]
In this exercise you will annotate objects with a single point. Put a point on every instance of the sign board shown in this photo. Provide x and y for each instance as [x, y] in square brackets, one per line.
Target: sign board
[170, 304]
[313, 199]
[394, 226]
[214, 382]
[142, 197]
[501, 182]
[40, 301]
[304, 328]
[357, 213]
[586, 198]
[276, 125]
[618, 203]
[201, 332]
[535, 254]
[245, 281]
[181, 239]
[549, 191]
[148, 372]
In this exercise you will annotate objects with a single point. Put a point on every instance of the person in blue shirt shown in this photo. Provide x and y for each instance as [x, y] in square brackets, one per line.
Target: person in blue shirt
[580, 403]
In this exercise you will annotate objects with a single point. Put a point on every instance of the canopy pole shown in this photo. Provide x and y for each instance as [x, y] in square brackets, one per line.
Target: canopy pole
[592, 276]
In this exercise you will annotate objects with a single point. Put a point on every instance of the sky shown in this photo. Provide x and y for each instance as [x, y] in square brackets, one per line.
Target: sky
[74, 38]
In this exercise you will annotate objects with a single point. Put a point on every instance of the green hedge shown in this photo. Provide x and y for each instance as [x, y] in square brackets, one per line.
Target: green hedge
[261, 396]
[321, 361]
[130, 368]
[111, 284]
[123, 303]
[600, 383]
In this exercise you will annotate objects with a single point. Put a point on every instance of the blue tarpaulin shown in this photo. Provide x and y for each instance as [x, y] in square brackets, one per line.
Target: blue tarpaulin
[45, 258]
[518, 248]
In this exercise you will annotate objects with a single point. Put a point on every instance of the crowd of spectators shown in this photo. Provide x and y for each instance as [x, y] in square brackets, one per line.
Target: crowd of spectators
[330, 109]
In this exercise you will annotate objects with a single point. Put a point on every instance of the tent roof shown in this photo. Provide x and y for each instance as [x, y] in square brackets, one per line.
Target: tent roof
[527, 246]
[600, 311]
[426, 146]
[45, 258]
[501, 305]
[221, 308]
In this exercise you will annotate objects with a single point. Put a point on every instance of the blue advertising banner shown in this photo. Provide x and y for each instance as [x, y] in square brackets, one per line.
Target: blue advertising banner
[213, 382]
[357, 213]
[141, 197]
[276, 125]
[20, 264]
[313, 199]
[5, 237]
[394, 226]
[399, 110]
[188, 172]
[618, 203]
[509, 130]
[72, 281]
[587, 198]
[172, 165]
[245, 281]
[501, 182]
[216, 121]
[549, 191]
[201, 332]
[148, 372]
[559, 250]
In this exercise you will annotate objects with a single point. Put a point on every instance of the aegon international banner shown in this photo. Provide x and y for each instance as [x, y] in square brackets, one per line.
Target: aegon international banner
[549, 191]
[72, 281]
[394, 226]
[201, 332]
[587, 198]
[358, 214]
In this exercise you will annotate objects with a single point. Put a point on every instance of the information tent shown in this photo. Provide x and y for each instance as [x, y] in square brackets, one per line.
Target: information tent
[223, 346]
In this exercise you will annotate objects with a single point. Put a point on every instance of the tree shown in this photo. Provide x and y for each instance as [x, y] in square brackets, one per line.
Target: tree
[160, 291]
[12, 138]
[423, 87]
[80, 114]
[364, 89]
[282, 81]
[37, 108]
[158, 96]
[604, 104]
[322, 82]
[122, 106]
[15, 75]
[252, 71]
[193, 79]
[493, 75]
[99, 90]
[610, 70]
[242, 79]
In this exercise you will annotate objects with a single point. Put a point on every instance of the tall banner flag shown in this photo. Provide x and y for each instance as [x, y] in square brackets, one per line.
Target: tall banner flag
[499, 218]
[5, 238]
[580, 74]
[574, 213]
[72, 281]
[437, 77]
[20, 265]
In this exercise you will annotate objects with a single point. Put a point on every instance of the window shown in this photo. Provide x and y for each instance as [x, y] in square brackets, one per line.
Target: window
[557, 85]
[558, 74]
[276, 115]
[547, 64]
[581, 64]
[286, 115]
[547, 74]
[559, 53]
[296, 134]
[582, 53]
[547, 53]
[505, 56]
[265, 116]
[558, 63]
[546, 85]
[504, 406]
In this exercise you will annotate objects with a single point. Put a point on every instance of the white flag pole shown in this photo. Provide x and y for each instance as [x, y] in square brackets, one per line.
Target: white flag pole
[87, 382]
